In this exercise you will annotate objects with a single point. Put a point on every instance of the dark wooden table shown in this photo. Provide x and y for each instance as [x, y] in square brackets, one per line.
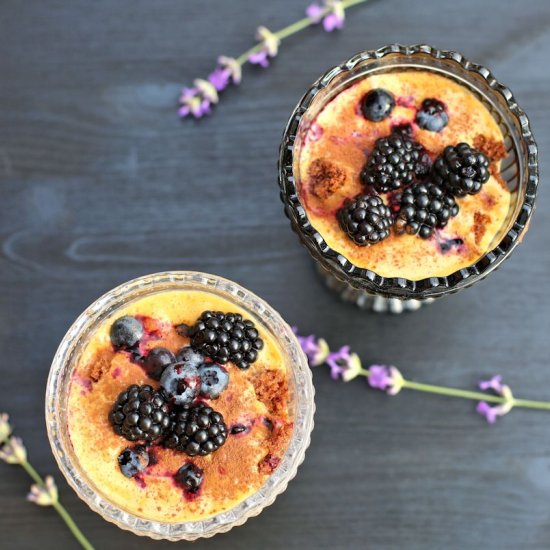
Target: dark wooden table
[100, 183]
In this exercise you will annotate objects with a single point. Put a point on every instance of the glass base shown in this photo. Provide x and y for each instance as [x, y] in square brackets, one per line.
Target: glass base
[369, 302]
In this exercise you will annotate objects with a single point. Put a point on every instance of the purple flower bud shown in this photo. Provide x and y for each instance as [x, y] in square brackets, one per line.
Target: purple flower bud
[338, 362]
[332, 22]
[494, 383]
[491, 413]
[220, 78]
[233, 66]
[315, 13]
[388, 379]
[259, 58]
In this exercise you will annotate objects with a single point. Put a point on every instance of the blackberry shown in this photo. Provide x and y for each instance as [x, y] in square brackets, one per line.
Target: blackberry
[461, 170]
[404, 129]
[423, 207]
[196, 430]
[432, 116]
[226, 337]
[140, 414]
[377, 105]
[395, 162]
[365, 219]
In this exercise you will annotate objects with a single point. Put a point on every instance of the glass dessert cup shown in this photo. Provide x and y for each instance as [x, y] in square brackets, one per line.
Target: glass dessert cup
[301, 394]
[519, 171]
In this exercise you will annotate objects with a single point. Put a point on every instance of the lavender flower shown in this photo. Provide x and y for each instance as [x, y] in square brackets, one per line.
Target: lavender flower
[13, 451]
[193, 104]
[332, 14]
[316, 349]
[337, 361]
[197, 100]
[5, 428]
[315, 13]
[233, 66]
[44, 495]
[388, 379]
[219, 78]
[270, 47]
[259, 58]
[491, 413]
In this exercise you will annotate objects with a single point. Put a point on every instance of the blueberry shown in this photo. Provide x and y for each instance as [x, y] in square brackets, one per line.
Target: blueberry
[126, 332]
[377, 105]
[189, 356]
[189, 477]
[133, 461]
[156, 361]
[180, 383]
[432, 116]
[214, 379]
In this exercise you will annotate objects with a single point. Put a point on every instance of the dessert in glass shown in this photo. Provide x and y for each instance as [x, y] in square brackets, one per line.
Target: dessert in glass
[178, 405]
[408, 173]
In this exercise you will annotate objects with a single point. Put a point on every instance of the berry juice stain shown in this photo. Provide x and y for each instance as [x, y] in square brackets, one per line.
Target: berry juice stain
[85, 383]
[139, 479]
[314, 133]
[447, 245]
[116, 373]
[405, 101]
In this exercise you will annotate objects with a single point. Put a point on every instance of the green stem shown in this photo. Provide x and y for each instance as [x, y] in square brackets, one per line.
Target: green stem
[467, 394]
[528, 404]
[453, 392]
[32, 473]
[77, 533]
[65, 516]
[289, 30]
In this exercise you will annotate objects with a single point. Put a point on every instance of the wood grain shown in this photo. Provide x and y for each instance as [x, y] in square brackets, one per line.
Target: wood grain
[101, 183]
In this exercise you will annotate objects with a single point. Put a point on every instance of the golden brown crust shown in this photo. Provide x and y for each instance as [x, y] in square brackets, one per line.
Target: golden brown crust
[325, 178]
[494, 149]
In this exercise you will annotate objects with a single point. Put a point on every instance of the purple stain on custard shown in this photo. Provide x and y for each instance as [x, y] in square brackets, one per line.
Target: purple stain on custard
[139, 479]
[406, 101]
[116, 373]
[85, 383]
[339, 140]
[152, 331]
[315, 132]
[450, 244]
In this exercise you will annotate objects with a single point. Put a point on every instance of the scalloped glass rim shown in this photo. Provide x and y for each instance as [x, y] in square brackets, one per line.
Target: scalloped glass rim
[397, 287]
[303, 393]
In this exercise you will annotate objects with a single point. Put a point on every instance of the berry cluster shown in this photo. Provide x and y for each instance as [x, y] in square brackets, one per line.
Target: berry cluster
[172, 415]
[226, 337]
[423, 196]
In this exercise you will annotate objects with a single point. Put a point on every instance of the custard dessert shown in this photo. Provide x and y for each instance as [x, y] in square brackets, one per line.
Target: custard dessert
[400, 173]
[179, 406]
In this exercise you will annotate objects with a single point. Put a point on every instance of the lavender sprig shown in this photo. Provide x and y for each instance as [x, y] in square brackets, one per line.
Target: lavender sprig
[43, 492]
[495, 400]
[197, 100]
